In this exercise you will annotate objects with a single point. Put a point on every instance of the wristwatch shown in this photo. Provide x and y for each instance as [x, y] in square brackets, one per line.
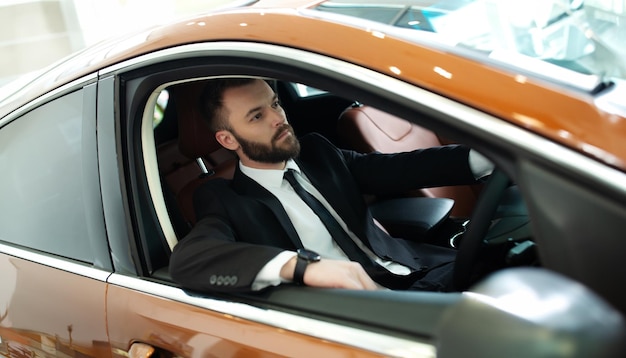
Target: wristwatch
[305, 257]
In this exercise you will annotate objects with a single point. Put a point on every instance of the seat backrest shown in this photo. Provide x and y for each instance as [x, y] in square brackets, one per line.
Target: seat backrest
[366, 129]
[202, 158]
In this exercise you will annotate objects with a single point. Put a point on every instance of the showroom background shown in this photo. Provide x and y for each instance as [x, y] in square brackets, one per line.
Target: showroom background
[36, 33]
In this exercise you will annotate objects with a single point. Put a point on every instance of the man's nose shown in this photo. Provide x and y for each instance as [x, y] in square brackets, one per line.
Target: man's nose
[278, 118]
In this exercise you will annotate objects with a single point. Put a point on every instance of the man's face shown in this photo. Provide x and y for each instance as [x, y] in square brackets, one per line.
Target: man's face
[274, 152]
[258, 126]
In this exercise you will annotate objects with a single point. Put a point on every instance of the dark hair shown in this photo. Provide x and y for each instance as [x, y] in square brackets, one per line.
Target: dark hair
[211, 105]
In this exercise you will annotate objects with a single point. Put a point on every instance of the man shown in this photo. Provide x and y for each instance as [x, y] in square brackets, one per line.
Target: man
[253, 231]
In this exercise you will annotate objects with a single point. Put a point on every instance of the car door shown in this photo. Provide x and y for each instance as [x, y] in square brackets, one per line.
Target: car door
[146, 309]
[54, 258]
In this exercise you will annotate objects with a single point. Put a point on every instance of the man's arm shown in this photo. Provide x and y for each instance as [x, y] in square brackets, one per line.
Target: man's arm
[378, 173]
[198, 262]
[209, 259]
[331, 274]
[393, 173]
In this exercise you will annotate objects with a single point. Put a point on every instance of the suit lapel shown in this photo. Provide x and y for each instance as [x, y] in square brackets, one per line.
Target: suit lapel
[244, 185]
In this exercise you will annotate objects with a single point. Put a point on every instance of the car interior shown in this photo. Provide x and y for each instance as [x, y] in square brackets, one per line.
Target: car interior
[188, 156]
[194, 156]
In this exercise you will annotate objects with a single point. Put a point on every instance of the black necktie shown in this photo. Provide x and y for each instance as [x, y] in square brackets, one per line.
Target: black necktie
[336, 231]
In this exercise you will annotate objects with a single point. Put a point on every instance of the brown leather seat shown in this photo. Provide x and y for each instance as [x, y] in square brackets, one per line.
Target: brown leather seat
[197, 156]
[367, 129]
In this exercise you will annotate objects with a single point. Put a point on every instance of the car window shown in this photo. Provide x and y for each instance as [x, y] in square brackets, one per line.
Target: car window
[159, 108]
[42, 180]
[305, 91]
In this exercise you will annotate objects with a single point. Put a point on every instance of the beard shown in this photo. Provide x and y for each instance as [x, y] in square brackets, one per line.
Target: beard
[274, 152]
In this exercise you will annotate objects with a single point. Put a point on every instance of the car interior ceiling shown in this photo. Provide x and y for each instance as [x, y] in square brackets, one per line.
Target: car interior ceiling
[187, 157]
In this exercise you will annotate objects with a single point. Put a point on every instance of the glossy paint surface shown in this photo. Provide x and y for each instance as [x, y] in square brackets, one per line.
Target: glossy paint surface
[29, 328]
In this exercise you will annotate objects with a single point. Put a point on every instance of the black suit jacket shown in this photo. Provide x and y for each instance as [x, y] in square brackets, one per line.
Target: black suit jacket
[242, 226]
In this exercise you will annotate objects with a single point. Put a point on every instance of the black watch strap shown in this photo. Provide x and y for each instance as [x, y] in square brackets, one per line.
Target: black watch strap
[305, 257]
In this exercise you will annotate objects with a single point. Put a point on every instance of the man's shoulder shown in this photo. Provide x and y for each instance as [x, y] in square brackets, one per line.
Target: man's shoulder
[215, 185]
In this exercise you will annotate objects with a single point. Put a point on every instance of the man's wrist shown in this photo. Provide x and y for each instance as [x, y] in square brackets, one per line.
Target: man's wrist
[304, 258]
[286, 271]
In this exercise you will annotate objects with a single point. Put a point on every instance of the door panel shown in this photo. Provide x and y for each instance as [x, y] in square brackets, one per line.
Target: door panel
[46, 311]
[192, 331]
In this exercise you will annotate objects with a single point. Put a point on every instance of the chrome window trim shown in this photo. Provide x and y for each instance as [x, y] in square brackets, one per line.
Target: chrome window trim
[67, 88]
[53, 262]
[354, 337]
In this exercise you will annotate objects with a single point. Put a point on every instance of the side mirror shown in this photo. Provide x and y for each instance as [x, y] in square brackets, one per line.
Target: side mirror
[530, 312]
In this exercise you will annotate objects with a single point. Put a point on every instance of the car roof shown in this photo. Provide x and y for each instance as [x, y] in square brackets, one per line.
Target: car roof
[566, 115]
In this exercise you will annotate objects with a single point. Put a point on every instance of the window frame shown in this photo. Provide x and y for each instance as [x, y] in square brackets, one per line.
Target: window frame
[504, 143]
[100, 256]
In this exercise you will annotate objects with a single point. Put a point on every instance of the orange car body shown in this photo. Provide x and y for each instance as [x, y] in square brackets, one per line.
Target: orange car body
[103, 317]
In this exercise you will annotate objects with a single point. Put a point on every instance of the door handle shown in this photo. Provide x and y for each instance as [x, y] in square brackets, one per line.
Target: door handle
[141, 350]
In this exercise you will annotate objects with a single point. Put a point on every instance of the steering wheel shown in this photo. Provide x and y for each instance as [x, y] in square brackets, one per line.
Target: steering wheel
[471, 244]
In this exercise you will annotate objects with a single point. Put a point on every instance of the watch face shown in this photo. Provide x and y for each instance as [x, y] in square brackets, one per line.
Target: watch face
[308, 255]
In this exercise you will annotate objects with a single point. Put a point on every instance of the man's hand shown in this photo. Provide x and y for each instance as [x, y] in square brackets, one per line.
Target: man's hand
[332, 274]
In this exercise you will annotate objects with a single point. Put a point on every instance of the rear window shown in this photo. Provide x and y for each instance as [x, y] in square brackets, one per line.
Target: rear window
[42, 180]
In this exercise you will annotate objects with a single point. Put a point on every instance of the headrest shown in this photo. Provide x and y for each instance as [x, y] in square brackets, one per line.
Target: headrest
[195, 140]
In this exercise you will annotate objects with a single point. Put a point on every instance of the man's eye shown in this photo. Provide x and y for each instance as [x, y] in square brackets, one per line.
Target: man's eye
[276, 104]
[257, 116]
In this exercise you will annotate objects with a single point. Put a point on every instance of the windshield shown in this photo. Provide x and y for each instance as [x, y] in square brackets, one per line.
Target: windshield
[580, 36]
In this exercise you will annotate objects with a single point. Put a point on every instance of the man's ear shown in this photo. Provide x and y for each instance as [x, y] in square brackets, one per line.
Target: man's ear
[227, 139]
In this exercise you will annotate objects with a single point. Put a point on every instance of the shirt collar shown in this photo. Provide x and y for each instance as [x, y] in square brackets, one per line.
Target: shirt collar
[269, 178]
